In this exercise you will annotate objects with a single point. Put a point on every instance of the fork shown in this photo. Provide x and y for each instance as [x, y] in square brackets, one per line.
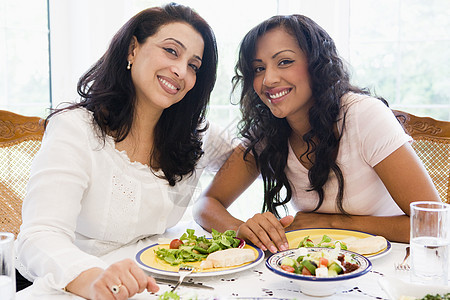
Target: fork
[183, 272]
[403, 266]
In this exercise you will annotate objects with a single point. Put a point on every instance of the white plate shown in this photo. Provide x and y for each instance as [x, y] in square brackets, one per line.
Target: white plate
[147, 260]
[395, 288]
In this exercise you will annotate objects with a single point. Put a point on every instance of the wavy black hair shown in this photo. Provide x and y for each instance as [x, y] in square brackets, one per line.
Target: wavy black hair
[107, 90]
[267, 136]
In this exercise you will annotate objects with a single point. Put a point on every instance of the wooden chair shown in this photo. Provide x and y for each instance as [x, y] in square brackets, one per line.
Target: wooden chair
[432, 144]
[20, 139]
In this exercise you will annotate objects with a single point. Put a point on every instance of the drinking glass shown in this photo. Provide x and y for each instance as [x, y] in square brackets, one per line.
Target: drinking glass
[430, 242]
[7, 270]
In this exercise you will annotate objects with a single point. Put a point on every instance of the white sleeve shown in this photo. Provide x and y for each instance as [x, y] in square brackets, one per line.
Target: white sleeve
[60, 175]
[218, 144]
[379, 132]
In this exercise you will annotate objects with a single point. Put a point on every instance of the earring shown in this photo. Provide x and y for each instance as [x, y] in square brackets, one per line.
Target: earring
[129, 65]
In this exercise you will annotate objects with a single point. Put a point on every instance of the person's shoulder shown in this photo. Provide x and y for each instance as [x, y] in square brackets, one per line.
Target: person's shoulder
[349, 99]
[78, 115]
[76, 121]
[354, 103]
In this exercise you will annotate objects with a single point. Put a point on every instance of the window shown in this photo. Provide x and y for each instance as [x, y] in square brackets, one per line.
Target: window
[402, 52]
[396, 48]
[24, 57]
[399, 53]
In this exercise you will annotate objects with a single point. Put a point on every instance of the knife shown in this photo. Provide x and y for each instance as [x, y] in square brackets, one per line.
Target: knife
[185, 283]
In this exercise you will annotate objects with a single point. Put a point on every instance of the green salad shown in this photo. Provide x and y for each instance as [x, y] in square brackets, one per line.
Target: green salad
[436, 297]
[191, 248]
[326, 242]
[169, 296]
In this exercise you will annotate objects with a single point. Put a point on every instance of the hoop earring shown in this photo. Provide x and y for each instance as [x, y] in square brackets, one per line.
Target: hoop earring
[129, 65]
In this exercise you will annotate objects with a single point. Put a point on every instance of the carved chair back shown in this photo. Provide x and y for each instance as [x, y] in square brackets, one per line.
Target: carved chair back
[432, 144]
[20, 140]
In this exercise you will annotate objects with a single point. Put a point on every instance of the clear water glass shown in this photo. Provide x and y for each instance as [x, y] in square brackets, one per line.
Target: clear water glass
[7, 270]
[430, 242]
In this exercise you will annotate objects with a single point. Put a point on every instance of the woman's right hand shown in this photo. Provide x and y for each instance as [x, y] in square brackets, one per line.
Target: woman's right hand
[125, 276]
[266, 232]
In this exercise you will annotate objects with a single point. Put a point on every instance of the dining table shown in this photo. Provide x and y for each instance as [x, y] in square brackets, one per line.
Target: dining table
[257, 282]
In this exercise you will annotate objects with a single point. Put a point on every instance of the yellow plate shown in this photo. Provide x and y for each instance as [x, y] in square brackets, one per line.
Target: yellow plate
[315, 234]
[148, 260]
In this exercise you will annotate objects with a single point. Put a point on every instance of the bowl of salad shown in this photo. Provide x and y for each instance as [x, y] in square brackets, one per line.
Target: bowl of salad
[319, 271]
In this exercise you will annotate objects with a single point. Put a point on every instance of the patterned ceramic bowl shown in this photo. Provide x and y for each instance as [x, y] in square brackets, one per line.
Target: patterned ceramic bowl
[313, 285]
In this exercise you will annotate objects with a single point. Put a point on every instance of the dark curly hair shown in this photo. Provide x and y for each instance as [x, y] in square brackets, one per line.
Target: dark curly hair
[267, 136]
[107, 90]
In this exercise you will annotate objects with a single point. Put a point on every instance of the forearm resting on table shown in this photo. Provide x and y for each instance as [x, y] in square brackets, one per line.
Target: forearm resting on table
[393, 228]
[210, 213]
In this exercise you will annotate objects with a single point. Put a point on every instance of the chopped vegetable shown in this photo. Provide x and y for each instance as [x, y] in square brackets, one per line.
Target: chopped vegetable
[323, 263]
[288, 261]
[326, 242]
[288, 268]
[325, 239]
[310, 265]
[437, 297]
[175, 244]
[306, 242]
[169, 296]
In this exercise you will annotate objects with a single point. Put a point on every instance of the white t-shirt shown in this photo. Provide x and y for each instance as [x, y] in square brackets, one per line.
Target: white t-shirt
[371, 133]
[86, 199]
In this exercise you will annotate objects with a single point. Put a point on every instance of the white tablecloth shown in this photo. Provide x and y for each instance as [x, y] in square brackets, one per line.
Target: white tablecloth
[255, 283]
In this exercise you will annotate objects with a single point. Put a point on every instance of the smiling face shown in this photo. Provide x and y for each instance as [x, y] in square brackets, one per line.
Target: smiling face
[164, 67]
[281, 75]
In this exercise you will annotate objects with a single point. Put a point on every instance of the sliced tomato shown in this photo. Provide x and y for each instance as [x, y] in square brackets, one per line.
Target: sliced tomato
[176, 243]
[287, 268]
[323, 262]
[305, 271]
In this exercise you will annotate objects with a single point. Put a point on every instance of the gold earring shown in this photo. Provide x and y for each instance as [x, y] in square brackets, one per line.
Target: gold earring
[129, 65]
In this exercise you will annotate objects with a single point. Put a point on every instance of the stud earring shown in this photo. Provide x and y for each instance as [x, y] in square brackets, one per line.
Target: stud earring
[129, 65]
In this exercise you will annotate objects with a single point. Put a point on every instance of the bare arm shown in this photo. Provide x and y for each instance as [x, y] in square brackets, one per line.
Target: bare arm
[405, 178]
[210, 211]
[233, 178]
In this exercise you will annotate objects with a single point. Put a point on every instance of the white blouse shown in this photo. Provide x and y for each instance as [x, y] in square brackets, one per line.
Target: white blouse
[371, 133]
[86, 199]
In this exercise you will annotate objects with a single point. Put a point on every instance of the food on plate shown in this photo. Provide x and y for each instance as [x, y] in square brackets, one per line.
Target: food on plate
[191, 248]
[228, 258]
[169, 295]
[428, 297]
[326, 242]
[175, 244]
[367, 245]
[323, 263]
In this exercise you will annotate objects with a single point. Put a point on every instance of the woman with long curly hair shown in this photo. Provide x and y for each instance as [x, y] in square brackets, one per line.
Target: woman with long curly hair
[337, 154]
[123, 163]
